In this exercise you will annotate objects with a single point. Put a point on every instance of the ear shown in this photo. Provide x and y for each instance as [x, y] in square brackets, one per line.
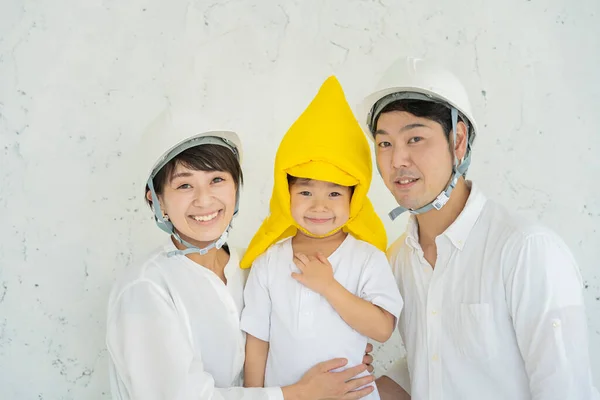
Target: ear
[149, 197]
[460, 147]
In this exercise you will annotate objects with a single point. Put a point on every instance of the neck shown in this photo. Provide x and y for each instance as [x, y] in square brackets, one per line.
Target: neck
[213, 260]
[434, 222]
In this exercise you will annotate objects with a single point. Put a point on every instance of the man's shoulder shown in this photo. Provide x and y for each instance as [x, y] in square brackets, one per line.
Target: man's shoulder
[396, 247]
[509, 225]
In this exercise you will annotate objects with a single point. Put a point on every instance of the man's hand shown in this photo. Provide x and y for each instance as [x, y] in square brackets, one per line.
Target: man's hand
[316, 273]
[368, 358]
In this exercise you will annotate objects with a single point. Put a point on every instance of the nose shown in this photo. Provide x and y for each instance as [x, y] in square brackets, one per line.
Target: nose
[202, 197]
[319, 204]
[400, 157]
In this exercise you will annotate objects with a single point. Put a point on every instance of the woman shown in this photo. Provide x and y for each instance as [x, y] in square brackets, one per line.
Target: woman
[173, 321]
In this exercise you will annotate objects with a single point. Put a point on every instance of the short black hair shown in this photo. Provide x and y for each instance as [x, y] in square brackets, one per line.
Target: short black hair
[293, 179]
[433, 111]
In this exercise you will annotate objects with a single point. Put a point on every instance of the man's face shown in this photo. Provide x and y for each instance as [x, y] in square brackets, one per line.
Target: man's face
[414, 157]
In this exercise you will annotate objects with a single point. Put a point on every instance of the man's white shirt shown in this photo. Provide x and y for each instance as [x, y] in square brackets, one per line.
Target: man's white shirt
[501, 316]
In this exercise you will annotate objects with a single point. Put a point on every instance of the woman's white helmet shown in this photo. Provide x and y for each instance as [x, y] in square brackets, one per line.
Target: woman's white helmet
[411, 78]
[171, 133]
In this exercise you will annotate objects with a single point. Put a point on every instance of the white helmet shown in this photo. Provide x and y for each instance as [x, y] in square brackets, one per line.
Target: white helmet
[417, 79]
[171, 133]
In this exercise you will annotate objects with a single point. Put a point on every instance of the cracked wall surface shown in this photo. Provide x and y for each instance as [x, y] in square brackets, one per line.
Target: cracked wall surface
[80, 80]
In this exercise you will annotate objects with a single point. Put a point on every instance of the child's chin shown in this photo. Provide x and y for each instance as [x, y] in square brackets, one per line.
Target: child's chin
[320, 232]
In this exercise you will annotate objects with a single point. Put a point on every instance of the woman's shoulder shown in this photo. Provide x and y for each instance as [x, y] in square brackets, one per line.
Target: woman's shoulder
[147, 271]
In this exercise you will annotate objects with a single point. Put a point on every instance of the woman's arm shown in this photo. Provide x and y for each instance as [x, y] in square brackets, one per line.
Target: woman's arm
[321, 383]
[152, 354]
[256, 361]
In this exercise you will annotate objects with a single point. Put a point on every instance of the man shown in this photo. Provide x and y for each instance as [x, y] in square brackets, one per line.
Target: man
[493, 303]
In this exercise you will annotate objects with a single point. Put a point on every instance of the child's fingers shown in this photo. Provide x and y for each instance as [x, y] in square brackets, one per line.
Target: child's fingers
[302, 257]
[298, 277]
[322, 258]
[301, 265]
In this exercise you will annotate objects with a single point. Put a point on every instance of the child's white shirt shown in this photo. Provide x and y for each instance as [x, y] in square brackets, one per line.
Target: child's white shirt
[302, 328]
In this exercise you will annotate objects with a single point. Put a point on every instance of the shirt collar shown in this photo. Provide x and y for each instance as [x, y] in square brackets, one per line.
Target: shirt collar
[460, 228]
[412, 232]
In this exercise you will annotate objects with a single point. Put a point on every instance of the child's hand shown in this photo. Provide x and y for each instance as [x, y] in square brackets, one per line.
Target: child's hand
[316, 272]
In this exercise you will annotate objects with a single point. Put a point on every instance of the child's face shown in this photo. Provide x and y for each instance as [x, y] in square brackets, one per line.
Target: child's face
[200, 204]
[320, 207]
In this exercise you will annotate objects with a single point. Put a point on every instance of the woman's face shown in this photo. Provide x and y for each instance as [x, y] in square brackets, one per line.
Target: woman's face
[200, 204]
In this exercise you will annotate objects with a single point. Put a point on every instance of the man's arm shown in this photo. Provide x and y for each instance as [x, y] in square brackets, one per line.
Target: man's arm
[390, 390]
[544, 296]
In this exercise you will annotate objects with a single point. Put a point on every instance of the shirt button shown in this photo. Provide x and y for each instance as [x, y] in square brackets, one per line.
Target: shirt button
[434, 312]
[556, 324]
[435, 357]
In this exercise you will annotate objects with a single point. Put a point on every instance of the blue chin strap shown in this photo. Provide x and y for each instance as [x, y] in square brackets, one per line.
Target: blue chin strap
[457, 171]
[166, 225]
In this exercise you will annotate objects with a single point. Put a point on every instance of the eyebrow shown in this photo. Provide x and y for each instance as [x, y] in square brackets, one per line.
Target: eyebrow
[309, 182]
[404, 129]
[180, 175]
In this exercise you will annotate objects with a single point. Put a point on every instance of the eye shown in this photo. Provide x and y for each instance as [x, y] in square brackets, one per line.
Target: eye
[415, 139]
[184, 186]
[335, 194]
[304, 193]
[218, 179]
[384, 144]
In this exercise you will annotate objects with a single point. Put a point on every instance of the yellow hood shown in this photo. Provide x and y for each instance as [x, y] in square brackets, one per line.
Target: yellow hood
[325, 143]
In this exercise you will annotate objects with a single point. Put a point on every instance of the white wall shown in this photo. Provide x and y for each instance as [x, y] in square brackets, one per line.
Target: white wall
[79, 80]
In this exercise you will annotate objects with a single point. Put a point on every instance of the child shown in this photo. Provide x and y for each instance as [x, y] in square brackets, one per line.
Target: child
[320, 285]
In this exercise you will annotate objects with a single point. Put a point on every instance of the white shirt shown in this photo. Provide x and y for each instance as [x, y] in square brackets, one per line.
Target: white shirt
[500, 317]
[173, 332]
[302, 328]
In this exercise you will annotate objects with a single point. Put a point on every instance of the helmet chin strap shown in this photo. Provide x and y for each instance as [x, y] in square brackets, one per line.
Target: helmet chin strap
[167, 226]
[457, 171]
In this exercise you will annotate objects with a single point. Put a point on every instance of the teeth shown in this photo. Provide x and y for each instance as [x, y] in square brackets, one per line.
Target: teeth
[205, 218]
[405, 181]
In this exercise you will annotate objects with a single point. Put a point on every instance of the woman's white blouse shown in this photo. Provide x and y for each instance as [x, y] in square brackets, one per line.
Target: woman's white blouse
[173, 332]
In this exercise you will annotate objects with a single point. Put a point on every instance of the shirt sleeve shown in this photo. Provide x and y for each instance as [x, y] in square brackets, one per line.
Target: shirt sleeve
[378, 285]
[398, 372]
[256, 316]
[152, 353]
[545, 299]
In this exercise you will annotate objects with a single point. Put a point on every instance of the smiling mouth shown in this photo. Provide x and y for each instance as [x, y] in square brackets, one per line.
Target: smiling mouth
[318, 220]
[206, 217]
[405, 182]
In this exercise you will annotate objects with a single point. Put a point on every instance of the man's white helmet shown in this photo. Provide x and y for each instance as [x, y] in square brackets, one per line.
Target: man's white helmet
[172, 132]
[417, 79]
